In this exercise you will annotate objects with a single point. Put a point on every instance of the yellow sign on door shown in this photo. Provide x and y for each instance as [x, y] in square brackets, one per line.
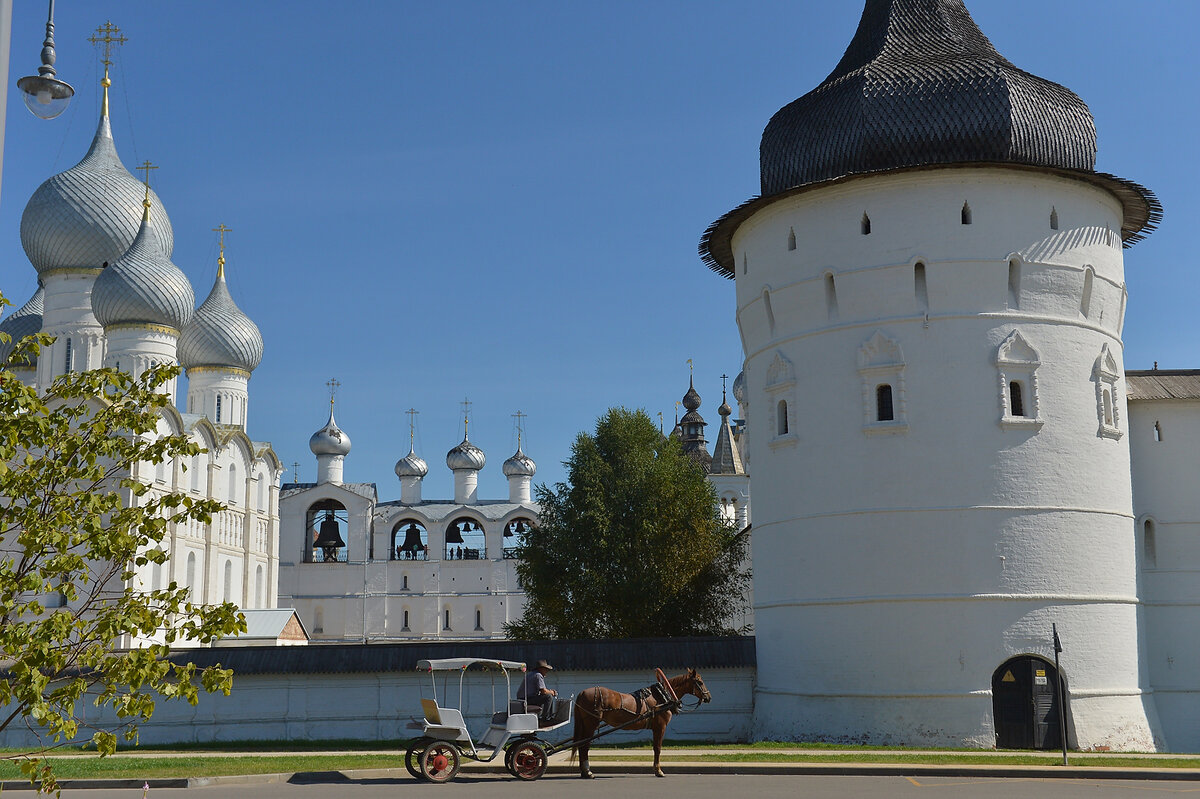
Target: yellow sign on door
[1008, 677]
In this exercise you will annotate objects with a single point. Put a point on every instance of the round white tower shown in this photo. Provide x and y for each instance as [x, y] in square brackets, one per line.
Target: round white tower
[25, 321]
[930, 291]
[76, 223]
[219, 350]
[331, 446]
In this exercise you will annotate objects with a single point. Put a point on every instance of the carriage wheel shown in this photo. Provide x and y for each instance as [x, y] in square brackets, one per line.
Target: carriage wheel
[412, 758]
[508, 759]
[528, 760]
[440, 762]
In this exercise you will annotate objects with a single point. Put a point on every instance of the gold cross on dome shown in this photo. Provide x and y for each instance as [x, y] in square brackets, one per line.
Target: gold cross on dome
[334, 385]
[520, 417]
[221, 230]
[412, 425]
[690, 369]
[107, 36]
[466, 406]
[146, 167]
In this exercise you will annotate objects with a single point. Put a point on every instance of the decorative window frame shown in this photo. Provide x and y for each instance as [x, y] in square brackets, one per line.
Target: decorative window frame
[880, 360]
[1016, 359]
[781, 385]
[1106, 373]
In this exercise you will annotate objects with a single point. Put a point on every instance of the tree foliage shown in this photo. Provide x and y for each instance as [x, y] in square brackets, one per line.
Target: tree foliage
[74, 526]
[632, 545]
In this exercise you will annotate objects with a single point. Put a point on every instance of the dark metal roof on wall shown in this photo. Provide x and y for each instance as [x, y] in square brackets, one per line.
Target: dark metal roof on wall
[643, 654]
[921, 86]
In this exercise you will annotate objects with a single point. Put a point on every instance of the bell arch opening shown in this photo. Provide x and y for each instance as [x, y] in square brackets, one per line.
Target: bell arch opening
[410, 540]
[324, 523]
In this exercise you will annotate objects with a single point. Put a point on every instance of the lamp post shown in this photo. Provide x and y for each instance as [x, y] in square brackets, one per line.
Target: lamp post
[44, 95]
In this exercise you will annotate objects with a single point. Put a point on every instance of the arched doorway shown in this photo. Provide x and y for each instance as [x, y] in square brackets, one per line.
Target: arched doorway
[1025, 704]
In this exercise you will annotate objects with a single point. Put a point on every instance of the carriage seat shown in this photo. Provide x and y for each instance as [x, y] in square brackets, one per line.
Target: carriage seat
[443, 723]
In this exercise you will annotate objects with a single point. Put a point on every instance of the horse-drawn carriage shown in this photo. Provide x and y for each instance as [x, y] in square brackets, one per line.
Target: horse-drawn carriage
[445, 741]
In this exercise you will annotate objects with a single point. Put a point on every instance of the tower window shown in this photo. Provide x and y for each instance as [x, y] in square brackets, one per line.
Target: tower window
[865, 225]
[478, 619]
[884, 411]
[1016, 398]
[782, 417]
[919, 286]
[67, 367]
[1085, 300]
[1149, 545]
[1108, 407]
[1157, 432]
[404, 583]
[1053, 218]
[218, 409]
[792, 239]
[405, 625]
[831, 301]
[446, 620]
[966, 214]
[1014, 284]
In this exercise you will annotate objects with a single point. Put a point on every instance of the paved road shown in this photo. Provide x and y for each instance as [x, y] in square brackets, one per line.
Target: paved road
[675, 787]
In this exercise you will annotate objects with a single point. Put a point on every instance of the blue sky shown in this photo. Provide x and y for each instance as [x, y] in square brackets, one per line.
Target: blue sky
[433, 201]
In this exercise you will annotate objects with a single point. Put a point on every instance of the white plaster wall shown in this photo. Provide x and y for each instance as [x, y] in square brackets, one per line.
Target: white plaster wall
[68, 314]
[898, 568]
[207, 383]
[378, 706]
[1163, 474]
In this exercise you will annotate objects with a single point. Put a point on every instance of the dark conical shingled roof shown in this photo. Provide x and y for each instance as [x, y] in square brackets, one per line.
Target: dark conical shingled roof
[920, 84]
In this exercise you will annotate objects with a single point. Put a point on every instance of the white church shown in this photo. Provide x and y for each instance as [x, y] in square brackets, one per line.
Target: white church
[102, 243]
[949, 455]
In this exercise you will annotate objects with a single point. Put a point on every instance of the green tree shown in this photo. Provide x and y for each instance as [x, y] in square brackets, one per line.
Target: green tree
[74, 526]
[632, 545]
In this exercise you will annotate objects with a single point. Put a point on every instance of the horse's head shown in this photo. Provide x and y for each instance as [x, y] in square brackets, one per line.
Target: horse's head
[695, 686]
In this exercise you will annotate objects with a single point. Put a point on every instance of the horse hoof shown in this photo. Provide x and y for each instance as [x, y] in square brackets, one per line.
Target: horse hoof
[659, 773]
[587, 775]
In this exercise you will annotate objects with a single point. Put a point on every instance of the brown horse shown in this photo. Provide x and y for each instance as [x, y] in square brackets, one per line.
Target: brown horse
[596, 706]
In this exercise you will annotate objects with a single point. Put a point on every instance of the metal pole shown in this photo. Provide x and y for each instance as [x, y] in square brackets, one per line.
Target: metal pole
[1062, 695]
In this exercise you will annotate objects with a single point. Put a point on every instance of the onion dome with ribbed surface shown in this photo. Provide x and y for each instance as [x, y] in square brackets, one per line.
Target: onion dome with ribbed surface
[220, 335]
[90, 214]
[739, 388]
[519, 465]
[920, 85]
[466, 456]
[143, 286]
[411, 465]
[330, 439]
[25, 321]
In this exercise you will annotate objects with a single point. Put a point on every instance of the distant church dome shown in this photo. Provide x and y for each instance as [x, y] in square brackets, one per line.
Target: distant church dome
[739, 388]
[220, 334]
[920, 85]
[143, 286]
[411, 465]
[519, 465]
[330, 440]
[90, 214]
[466, 456]
[25, 321]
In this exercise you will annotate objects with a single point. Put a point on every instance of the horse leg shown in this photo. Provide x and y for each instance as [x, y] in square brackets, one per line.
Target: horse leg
[660, 731]
[584, 770]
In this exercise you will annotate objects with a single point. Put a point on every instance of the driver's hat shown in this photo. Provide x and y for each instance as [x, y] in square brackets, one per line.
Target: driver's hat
[541, 664]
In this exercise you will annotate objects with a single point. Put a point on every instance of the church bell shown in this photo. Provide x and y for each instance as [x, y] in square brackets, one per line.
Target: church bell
[453, 536]
[329, 540]
[412, 539]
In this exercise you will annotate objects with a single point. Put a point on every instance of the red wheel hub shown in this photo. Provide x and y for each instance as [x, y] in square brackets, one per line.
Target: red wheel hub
[439, 762]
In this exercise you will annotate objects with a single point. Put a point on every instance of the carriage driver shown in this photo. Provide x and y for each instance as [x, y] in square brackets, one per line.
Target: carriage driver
[534, 691]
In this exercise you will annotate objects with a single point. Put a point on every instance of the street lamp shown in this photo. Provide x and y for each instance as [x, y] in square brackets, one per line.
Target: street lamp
[45, 95]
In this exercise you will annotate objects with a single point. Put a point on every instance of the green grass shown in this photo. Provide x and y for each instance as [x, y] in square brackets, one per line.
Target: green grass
[200, 766]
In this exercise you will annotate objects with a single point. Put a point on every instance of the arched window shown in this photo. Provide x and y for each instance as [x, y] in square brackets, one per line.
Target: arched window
[1014, 284]
[405, 626]
[160, 472]
[410, 540]
[864, 225]
[446, 619]
[228, 590]
[1053, 218]
[218, 409]
[782, 418]
[1085, 299]
[1108, 407]
[791, 238]
[1158, 432]
[318, 620]
[258, 587]
[261, 491]
[966, 214]
[190, 577]
[67, 360]
[1149, 545]
[156, 577]
[1016, 398]
[478, 619]
[884, 412]
[404, 582]
[233, 484]
[919, 287]
[831, 302]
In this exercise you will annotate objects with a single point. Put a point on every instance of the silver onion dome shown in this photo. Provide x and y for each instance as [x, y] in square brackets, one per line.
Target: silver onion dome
[466, 456]
[411, 465]
[143, 286]
[739, 388]
[25, 321]
[220, 334]
[519, 465]
[330, 440]
[90, 214]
